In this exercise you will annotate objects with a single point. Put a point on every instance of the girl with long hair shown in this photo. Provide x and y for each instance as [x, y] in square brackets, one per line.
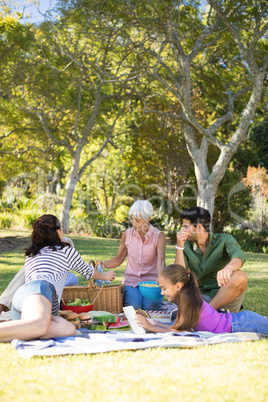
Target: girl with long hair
[180, 286]
[35, 305]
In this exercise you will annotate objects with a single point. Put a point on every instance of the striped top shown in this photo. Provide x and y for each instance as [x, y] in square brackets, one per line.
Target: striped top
[53, 266]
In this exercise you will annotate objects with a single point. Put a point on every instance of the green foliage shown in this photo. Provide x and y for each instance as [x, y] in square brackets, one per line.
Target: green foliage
[29, 217]
[104, 226]
[79, 221]
[251, 241]
[121, 213]
[227, 202]
[6, 220]
[260, 138]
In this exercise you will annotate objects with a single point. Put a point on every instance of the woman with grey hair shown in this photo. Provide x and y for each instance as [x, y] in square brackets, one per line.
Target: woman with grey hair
[145, 248]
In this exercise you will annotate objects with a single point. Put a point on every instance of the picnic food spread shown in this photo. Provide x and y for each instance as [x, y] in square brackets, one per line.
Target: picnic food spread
[96, 320]
[150, 285]
[79, 302]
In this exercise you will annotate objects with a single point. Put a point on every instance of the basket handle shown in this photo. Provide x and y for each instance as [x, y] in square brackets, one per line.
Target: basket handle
[91, 282]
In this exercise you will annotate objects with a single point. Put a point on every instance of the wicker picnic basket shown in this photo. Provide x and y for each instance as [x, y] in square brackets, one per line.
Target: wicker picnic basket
[108, 298]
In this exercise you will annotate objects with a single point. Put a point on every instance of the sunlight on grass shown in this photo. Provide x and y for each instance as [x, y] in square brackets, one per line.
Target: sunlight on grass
[226, 372]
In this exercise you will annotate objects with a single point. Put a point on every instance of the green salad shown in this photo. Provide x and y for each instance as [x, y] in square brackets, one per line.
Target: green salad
[79, 302]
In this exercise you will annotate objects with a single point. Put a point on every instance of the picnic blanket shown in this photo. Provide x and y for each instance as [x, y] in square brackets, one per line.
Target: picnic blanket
[99, 342]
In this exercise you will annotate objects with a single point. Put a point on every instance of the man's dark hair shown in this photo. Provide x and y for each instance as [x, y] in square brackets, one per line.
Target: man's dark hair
[197, 215]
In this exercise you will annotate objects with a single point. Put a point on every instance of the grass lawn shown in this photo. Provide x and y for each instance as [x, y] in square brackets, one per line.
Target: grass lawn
[226, 372]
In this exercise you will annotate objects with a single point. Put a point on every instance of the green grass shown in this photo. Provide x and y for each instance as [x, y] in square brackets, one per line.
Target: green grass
[226, 372]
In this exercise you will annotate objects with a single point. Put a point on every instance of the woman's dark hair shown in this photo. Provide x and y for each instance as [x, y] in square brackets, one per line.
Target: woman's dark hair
[45, 234]
[189, 299]
[197, 215]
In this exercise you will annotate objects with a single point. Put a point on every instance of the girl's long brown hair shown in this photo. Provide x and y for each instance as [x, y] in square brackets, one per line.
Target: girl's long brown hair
[189, 299]
[45, 234]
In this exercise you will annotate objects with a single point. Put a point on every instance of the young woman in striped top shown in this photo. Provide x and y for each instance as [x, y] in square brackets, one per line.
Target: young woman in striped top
[35, 305]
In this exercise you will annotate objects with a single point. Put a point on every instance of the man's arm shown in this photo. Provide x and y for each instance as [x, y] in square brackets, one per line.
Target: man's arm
[181, 239]
[224, 275]
[237, 259]
[8, 293]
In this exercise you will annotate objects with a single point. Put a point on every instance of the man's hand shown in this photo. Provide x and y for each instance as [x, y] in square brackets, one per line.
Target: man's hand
[224, 276]
[182, 236]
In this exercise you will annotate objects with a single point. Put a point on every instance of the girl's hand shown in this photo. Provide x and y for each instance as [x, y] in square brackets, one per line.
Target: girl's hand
[146, 323]
[109, 276]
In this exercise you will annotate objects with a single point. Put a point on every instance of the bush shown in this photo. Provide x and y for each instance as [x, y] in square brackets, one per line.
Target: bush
[48, 202]
[249, 240]
[6, 220]
[29, 217]
[79, 222]
[121, 214]
[104, 226]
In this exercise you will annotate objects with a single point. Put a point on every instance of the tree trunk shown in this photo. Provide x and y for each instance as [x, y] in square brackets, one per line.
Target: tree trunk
[66, 206]
[73, 178]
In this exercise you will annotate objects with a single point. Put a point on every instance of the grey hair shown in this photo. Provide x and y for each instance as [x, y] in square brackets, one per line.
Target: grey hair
[141, 209]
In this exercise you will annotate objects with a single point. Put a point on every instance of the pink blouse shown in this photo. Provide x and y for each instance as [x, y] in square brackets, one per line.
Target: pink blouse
[142, 257]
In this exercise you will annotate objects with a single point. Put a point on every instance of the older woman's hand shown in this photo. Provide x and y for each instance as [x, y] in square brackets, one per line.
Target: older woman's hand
[109, 276]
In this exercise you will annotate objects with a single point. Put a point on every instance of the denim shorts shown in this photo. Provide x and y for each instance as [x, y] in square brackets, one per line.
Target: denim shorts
[133, 297]
[248, 321]
[33, 287]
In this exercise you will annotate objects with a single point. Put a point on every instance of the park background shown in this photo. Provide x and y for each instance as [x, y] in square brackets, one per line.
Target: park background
[106, 102]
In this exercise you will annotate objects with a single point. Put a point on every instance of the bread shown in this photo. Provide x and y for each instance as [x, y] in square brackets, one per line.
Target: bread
[72, 317]
[62, 313]
[84, 316]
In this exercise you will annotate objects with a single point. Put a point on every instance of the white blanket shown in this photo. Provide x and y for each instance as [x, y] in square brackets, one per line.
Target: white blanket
[94, 342]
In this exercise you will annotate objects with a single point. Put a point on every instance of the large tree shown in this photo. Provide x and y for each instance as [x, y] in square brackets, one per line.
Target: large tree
[73, 86]
[212, 58]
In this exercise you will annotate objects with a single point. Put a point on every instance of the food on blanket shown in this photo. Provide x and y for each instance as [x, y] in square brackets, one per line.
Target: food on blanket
[84, 316]
[72, 317]
[150, 285]
[106, 318]
[150, 290]
[79, 302]
[121, 325]
[62, 313]
[99, 313]
[96, 327]
[143, 313]
[77, 308]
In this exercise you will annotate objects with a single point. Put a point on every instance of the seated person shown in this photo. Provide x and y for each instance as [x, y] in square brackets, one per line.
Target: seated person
[19, 280]
[35, 304]
[145, 248]
[179, 285]
[215, 258]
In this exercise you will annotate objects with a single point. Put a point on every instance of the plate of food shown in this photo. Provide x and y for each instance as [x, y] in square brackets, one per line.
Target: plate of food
[78, 305]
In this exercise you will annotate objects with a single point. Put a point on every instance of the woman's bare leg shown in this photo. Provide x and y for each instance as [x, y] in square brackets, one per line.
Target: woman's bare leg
[59, 327]
[34, 323]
